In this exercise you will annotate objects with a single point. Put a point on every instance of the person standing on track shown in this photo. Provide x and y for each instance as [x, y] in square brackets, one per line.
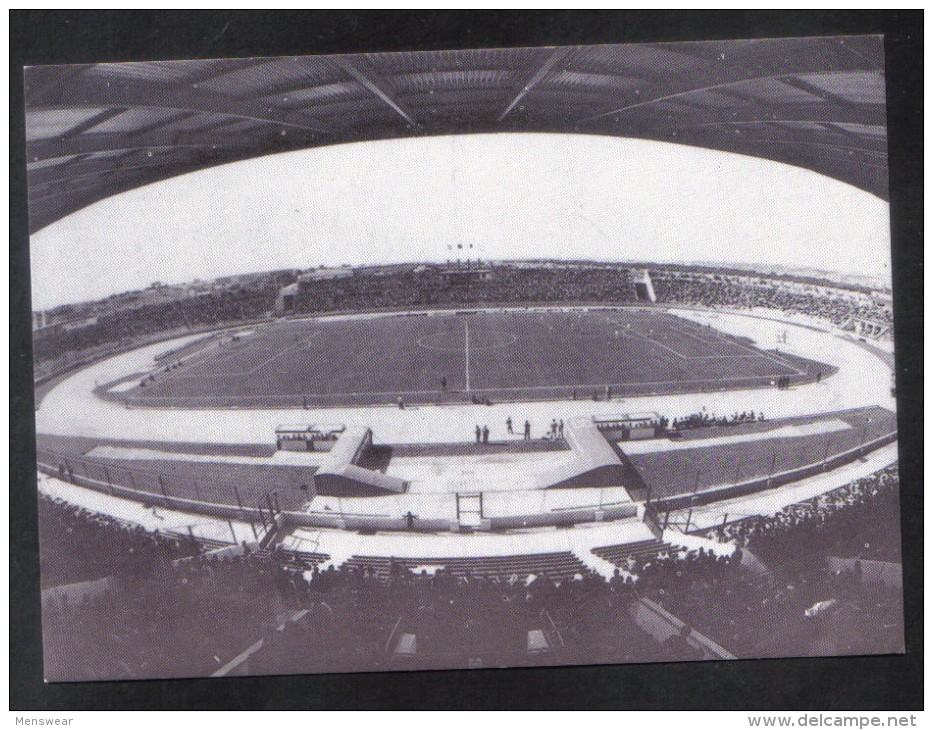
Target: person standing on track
[527, 431]
[479, 433]
[485, 434]
[508, 425]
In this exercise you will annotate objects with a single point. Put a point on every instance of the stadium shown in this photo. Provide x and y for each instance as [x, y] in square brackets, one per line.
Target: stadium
[468, 458]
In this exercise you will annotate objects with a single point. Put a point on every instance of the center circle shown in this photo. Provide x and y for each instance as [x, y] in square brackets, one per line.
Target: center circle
[455, 340]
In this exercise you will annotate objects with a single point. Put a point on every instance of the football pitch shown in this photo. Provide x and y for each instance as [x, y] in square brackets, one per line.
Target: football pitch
[463, 356]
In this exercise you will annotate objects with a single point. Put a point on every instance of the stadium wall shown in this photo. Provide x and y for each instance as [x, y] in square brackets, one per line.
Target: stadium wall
[47, 463]
[780, 479]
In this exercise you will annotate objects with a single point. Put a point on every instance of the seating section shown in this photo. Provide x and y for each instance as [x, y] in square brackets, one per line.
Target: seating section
[419, 285]
[553, 565]
[296, 559]
[640, 552]
[799, 295]
[84, 332]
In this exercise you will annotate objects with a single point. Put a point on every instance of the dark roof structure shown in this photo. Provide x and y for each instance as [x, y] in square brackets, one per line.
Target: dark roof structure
[100, 129]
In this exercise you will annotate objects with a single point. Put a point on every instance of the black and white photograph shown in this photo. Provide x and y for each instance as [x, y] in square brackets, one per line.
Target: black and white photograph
[464, 359]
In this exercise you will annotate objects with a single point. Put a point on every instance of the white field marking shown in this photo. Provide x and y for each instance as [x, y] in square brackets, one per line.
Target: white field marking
[758, 352]
[753, 353]
[675, 353]
[466, 352]
[252, 371]
[647, 338]
[514, 389]
[809, 429]
[637, 333]
[157, 368]
[191, 360]
[715, 340]
[773, 358]
[763, 353]
[289, 458]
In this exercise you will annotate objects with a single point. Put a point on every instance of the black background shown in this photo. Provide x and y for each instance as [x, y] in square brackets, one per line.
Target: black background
[887, 682]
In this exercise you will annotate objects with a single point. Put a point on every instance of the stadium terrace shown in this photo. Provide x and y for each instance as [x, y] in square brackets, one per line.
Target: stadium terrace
[476, 520]
[465, 457]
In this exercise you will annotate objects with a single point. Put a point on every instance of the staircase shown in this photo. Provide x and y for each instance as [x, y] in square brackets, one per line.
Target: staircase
[598, 564]
[618, 555]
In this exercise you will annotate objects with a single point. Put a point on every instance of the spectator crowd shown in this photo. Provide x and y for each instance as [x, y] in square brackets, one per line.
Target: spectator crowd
[859, 519]
[404, 286]
[79, 545]
[717, 291]
[430, 286]
[190, 618]
[129, 325]
[703, 419]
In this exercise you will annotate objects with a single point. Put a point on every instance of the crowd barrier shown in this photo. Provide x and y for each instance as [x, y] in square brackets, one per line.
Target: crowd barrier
[778, 479]
[104, 478]
[98, 476]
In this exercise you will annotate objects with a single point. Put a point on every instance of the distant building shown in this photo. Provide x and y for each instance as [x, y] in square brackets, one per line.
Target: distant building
[337, 272]
[285, 302]
[79, 323]
[466, 273]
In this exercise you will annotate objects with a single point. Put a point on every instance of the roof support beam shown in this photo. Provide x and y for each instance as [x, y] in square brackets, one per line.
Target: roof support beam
[96, 90]
[372, 84]
[539, 75]
[723, 80]
[801, 83]
[815, 112]
[92, 122]
[160, 138]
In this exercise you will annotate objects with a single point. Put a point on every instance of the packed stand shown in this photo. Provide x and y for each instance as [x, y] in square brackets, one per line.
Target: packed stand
[79, 545]
[126, 326]
[860, 519]
[774, 596]
[184, 620]
[718, 291]
[804, 609]
[428, 286]
[193, 618]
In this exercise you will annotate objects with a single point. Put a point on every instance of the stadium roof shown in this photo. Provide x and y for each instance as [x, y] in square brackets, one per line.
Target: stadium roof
[99, 129]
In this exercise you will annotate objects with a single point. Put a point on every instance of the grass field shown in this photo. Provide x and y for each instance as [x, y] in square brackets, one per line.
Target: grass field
[495, 355]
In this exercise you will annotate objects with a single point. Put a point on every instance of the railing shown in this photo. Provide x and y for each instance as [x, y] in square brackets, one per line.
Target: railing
[247, 503]
[254, 505]
[778, 479]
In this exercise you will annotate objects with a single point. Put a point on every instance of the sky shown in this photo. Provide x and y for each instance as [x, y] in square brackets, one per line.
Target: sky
[512, 196]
